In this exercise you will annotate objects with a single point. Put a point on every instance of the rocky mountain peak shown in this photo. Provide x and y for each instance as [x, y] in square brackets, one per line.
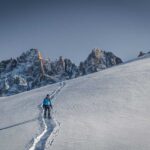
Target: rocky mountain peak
[96, 53]
[30, 70]
[98, 60]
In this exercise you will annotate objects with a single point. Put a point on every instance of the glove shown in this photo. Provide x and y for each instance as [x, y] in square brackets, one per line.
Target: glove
[51, 106]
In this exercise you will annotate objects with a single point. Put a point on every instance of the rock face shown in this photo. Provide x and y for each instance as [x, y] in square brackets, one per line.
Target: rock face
[61, 69]
[141, 54]
[98, 60]
[144, 54]
[26, 72]
[21, 74]
[30, 71]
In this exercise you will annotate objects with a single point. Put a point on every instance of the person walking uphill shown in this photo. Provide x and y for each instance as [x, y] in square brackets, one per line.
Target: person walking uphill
[47, 106]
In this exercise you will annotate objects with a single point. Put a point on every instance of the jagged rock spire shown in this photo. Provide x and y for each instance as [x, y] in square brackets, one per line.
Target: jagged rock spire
[98, 60]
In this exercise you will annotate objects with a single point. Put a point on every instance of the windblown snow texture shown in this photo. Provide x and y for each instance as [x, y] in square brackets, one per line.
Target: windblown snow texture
[21, 118]
[108, 110]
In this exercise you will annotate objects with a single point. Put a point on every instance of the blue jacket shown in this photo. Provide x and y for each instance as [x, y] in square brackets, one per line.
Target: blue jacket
[47, 102]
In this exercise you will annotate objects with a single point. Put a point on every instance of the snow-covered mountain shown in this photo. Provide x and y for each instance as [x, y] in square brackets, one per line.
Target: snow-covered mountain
[30, 70]
[25, 72]
[98, 60]
[107, 110]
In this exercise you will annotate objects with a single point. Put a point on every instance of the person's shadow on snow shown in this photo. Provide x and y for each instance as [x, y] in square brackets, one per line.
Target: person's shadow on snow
[18, 124]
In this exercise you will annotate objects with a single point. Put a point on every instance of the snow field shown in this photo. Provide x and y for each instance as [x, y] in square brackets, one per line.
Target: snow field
[108, 110]
[22, 118]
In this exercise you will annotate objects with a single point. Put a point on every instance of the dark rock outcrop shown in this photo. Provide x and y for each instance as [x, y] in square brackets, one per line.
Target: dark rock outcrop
[98, 60]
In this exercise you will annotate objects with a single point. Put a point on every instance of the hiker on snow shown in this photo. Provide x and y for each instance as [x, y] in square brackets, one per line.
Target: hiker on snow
[47, 105]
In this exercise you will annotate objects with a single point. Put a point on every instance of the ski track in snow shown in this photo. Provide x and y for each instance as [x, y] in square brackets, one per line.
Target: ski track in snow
[51, 127]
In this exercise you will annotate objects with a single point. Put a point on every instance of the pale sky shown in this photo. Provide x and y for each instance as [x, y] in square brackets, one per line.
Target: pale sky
[72, 28]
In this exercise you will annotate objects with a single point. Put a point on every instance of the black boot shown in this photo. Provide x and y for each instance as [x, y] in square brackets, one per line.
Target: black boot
[44, 113]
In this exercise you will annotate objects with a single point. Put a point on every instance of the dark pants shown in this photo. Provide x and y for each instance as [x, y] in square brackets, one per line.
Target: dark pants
[47, 109]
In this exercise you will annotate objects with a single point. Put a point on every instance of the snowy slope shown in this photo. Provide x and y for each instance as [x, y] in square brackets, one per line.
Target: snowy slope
[108, 110]
[20, 118]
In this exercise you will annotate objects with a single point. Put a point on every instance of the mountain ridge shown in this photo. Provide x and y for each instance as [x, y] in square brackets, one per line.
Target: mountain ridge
[30, 70]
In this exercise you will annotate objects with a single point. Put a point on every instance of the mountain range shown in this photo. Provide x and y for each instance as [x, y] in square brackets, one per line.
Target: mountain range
[106, 110]
[30, 70]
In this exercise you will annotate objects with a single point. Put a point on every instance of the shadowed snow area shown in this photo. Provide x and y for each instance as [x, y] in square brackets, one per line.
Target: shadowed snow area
[108, 110]
[20, 118]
